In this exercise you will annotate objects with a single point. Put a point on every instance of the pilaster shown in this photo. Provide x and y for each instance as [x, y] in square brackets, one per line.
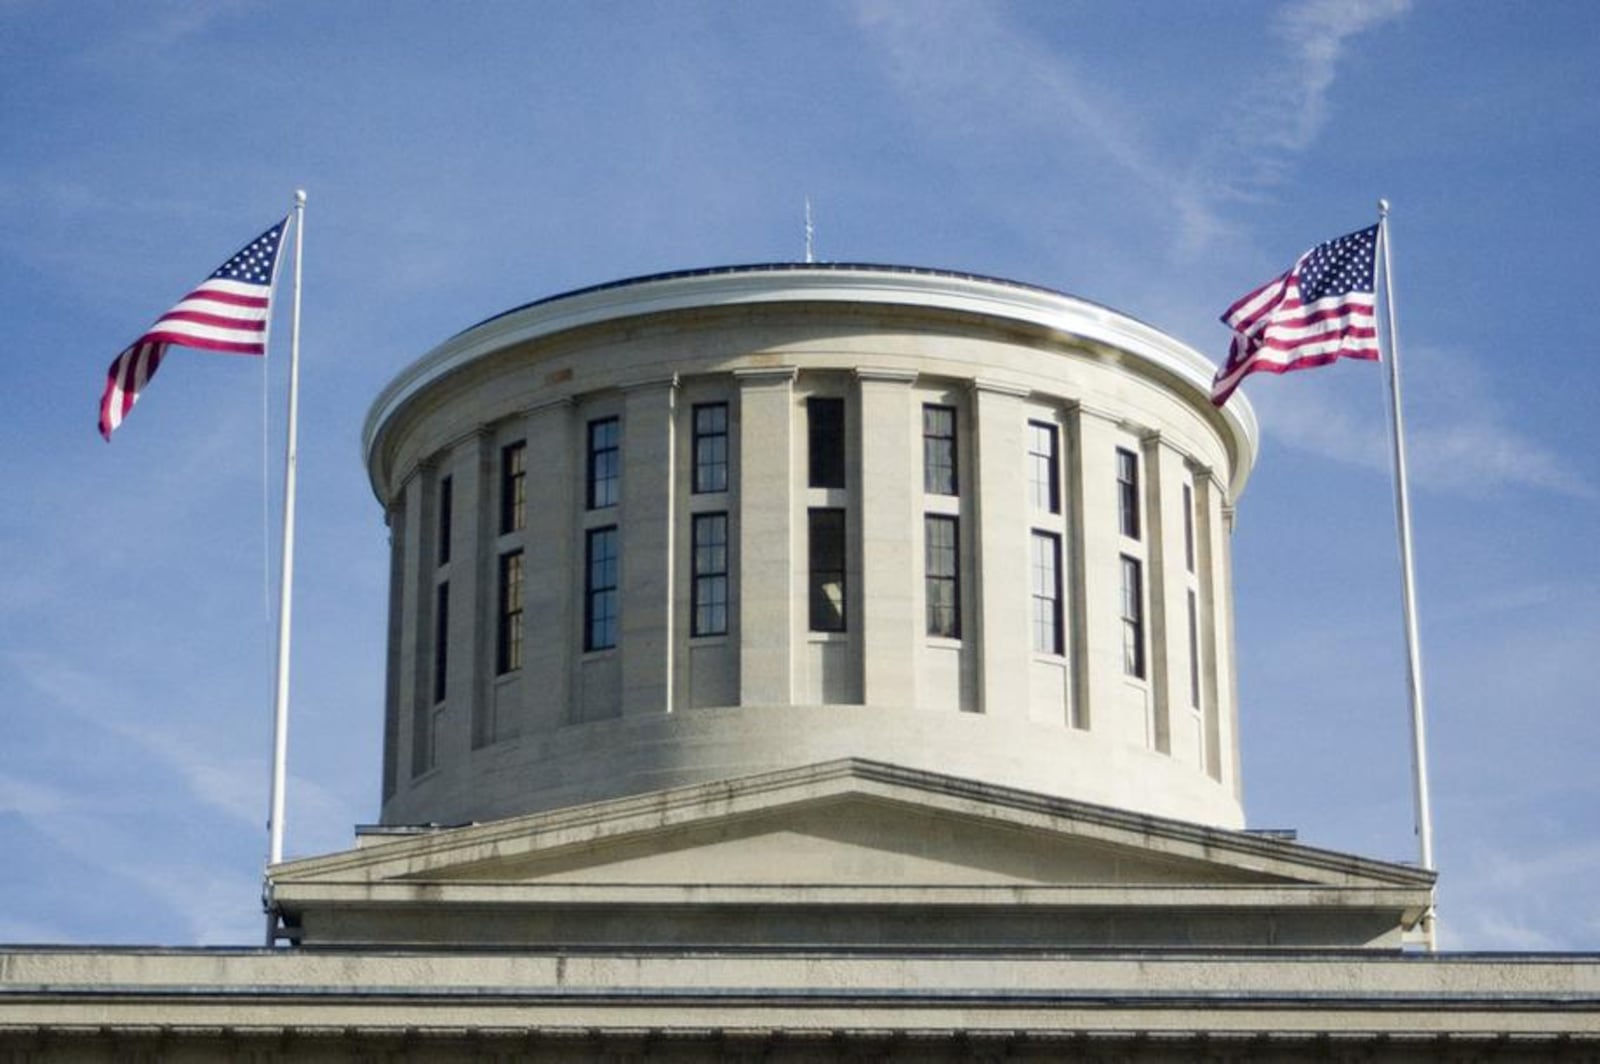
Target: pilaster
[766, 596]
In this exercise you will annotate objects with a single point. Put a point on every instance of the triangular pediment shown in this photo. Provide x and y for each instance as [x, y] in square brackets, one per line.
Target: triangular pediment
[852, 854]
[845, 840]
[846, 823]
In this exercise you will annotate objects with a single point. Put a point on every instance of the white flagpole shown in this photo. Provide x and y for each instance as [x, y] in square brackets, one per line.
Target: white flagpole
[280, 709]
[1419, 744]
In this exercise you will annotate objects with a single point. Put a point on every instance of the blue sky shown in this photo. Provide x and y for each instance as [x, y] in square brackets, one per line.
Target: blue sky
[1159, 157]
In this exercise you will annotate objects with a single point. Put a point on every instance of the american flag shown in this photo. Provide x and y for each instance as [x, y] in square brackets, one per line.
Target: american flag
[228, 312]
[1324, 308]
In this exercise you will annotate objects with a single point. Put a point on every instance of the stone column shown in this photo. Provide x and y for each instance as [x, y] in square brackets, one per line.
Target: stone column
[648, 459]
[766, 597]
[1002, 546]
[1096, 571]
[552, 574]
[1157, 485]
[891, 483]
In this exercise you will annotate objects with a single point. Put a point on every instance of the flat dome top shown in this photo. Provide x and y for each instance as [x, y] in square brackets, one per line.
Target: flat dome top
[791, 282]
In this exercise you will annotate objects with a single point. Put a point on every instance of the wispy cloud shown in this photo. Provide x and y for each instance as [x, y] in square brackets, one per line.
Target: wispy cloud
[1512, 900]
[1280, 117]
[227, 784]
[970, 73]
[1459, 436]
[974, 74]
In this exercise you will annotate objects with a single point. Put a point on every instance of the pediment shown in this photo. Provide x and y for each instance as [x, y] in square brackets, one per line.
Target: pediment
[844, 824]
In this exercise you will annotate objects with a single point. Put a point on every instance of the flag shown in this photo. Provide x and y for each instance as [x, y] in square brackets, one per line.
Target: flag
[1324, 308]
[228, 312]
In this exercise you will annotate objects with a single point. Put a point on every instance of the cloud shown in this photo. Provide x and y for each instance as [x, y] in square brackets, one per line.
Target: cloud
[1283, 113]
[1459, 436]
[1532, 900]
[225, 784]
[971, 74]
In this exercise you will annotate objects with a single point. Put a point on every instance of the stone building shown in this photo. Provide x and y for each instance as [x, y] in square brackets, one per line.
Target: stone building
[807, 662]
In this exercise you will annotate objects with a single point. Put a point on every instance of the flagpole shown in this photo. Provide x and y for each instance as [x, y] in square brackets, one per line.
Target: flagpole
[1419, 745]
[280, 709]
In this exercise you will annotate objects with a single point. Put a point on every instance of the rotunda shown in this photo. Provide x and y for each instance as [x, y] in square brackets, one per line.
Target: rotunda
[701, 525]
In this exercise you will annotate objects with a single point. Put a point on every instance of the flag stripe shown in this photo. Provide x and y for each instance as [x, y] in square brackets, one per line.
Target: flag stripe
[1324, 308]
[227, 313]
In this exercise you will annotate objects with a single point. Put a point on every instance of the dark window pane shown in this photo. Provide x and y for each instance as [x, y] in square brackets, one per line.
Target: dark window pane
[513, 487]
[441, 640]
[825, 434]
[827, 557]
[1188, 527]
[508, 641]
[1128, 493]
[446, 507]
[605, 463]
[600, 589]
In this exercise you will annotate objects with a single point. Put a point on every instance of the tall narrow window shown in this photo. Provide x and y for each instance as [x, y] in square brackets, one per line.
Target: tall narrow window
[508, 637]
[710, 447]
[709, 561]
[1194, 652]
[1132, 617]
[827, 558]
[600, 589]
[446, 505]
[1044, 468]
[513, 487]
[605, 463]
[825, 437]
[1128, 493]
[441, 640]
[1188, 526]
[941, 554]
[938, 450]
[1047, 633]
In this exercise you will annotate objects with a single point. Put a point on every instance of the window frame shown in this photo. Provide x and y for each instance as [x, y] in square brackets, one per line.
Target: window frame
[601, 597]
[826, 432]
[513, 487]
[1048, 618]
[603, 468]
[708, 566]
[1188, 525]
[941, 575]
[710, 471]
[827, 521]
[1050, 460]
[1129, 514]
[508, 633]
[1194, 650]
[941, 473]
[441, 641]
[444, 525]
[1134, 654]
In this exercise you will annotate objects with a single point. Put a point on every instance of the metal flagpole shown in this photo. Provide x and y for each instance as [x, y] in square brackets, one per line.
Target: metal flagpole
[1419, 744]
[280, 709]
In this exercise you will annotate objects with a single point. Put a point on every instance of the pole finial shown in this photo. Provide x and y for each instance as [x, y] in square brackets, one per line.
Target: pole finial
[299, 197]
[1383, 208]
